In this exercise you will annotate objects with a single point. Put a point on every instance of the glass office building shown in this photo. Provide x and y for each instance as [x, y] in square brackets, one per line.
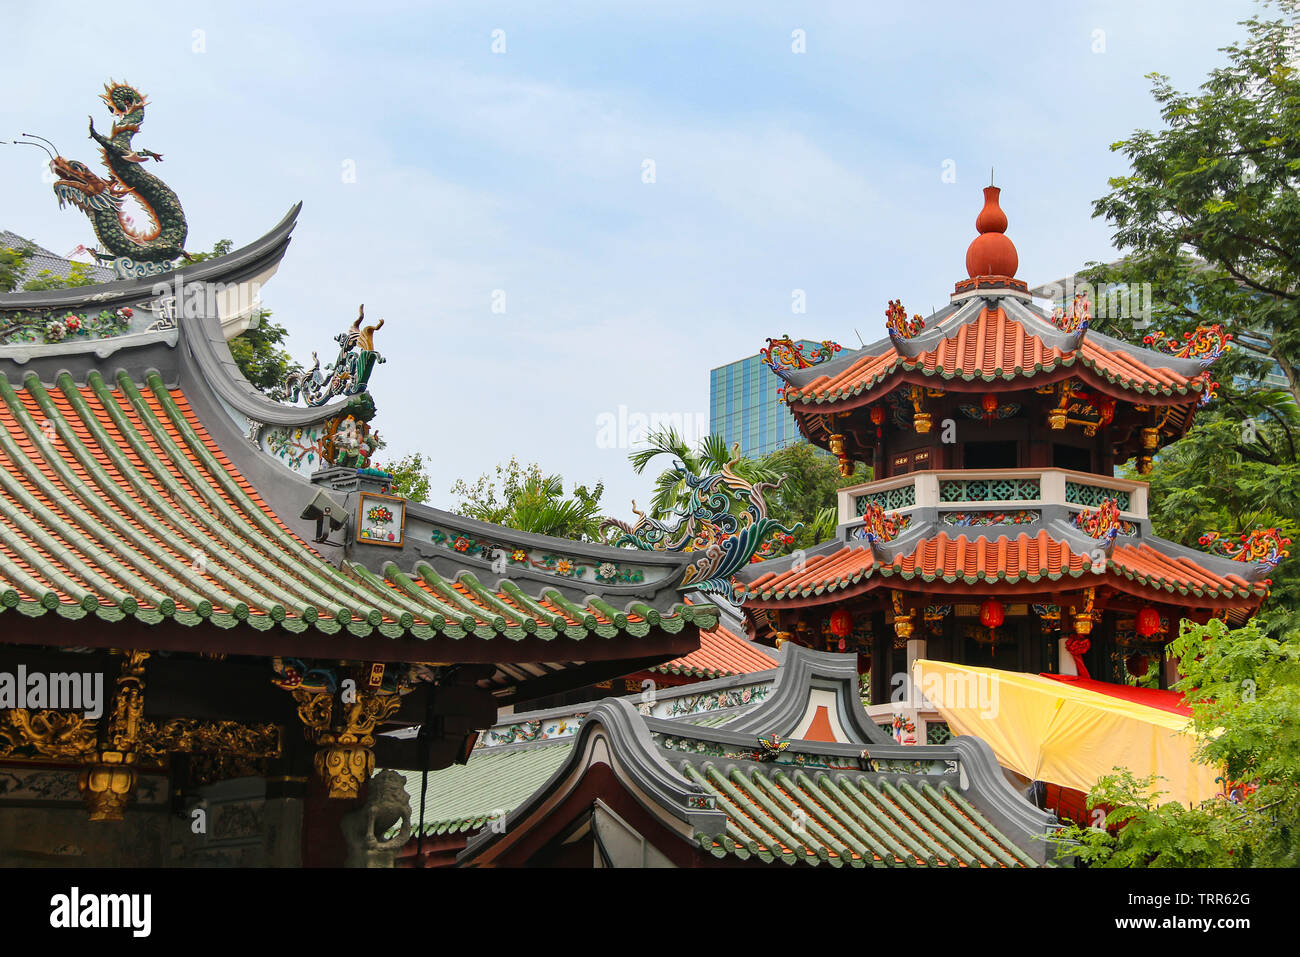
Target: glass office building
[744, 406]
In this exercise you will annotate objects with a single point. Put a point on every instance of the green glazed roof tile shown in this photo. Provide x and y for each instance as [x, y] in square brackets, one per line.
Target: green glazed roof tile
[114, 500]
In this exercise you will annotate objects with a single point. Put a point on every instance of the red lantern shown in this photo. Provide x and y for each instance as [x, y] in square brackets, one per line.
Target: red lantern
[1148, 621]
[992, 614]
[1137, 665]
[990, 405]
[878, 418]
[841, 623]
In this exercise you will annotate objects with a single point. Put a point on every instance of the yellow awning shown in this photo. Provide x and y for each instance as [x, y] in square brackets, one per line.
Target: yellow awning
[1049, 730]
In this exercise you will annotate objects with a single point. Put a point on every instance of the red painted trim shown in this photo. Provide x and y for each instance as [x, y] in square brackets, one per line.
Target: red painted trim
[530, 837]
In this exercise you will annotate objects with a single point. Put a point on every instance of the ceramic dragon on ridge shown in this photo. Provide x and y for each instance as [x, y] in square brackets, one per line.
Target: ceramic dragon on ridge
[350, 372]
[137, 248]
[725, 521]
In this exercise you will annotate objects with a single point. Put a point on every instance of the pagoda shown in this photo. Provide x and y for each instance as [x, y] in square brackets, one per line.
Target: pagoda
[994, 531]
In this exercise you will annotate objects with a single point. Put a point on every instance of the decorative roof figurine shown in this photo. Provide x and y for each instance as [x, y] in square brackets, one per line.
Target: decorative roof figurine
[1076, 317]
[1105, 523]
[1206, 344]
[707, 524]
[897, 324]
[1264, 547]
[135, 215]
[784, 355]
[879, 526]
[350, 372]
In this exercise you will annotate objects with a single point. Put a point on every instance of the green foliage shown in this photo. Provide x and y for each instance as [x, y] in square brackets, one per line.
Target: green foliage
[670, 491]
[257, 352]
[79, 274]
[1244, 689]
[808, 494]
[1151, 833]
[13, 263]
[1210, 209]
[1235, 469]
[220, 248]
[1209, 215]
[410, 480]
[523, 498]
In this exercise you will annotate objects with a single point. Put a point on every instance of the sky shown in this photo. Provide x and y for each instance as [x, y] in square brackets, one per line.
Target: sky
[563, 209]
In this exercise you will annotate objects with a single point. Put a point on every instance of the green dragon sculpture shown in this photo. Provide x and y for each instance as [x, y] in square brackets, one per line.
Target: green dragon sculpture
[136, 249]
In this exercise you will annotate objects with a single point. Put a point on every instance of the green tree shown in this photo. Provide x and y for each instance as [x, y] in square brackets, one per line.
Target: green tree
[523, 498]
[1244, 690]
[1210, 209]
[258, 353]
[1209, 216]
[808, 494]
[707, 458]
[410, 480]
[221, 247]
[79, 274]
[13, 263]
[1221, 478]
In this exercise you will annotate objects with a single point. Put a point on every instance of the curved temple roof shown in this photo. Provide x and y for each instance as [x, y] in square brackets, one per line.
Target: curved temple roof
[118, 503]
[1051, 552]
[721, 654]
[840, 792]
[130, 492]
[998, 336]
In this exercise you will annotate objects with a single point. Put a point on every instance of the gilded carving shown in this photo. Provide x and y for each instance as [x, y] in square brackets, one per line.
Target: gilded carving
[344, 735]
[109, 778]
[189, 735]
[904, 626]
[1083, 614]
[921, 419]
[110, 771]
[315, 708]
[47, 734]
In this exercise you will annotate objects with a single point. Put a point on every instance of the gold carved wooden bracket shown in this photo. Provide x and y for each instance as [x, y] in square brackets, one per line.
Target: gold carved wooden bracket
[1083, 613]
[904, 617]
[343, 729]
[922, 420]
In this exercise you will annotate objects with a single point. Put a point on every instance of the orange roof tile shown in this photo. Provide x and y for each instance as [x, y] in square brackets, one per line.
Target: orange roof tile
[970, 559]
[722, 653]
[994, 346]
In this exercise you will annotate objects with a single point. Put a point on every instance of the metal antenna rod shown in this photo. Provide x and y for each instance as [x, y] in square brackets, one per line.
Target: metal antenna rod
[37, 145]
[35, 137]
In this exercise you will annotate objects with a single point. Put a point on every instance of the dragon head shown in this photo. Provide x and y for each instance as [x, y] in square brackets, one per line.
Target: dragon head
[77, 184]
[125, 102]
